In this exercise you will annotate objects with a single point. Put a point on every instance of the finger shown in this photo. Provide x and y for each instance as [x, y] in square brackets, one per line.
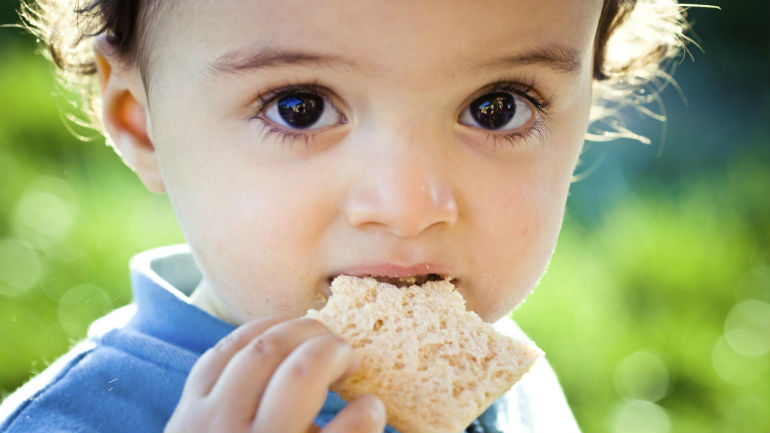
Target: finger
[365, 414]
[209, 366]
[244, 379]
[299, 387]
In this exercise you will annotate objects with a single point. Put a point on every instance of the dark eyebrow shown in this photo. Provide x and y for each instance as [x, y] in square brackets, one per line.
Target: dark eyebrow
[559, 58]
[237, 62]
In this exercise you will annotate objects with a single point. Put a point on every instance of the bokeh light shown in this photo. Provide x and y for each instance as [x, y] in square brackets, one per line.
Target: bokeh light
[639, 416]
[45, 212]
[642, 375]
[81, 305]
[747, 327]
[20, 267]
[733, 367]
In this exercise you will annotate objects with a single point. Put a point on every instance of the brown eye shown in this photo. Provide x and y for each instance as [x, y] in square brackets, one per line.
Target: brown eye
[302, 110]
[498, 111]
[494, 110]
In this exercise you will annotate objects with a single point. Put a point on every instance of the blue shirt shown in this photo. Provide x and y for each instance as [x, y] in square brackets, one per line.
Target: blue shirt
[128, 375]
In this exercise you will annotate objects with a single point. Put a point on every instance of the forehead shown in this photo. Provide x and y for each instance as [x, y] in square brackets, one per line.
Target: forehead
[396, 38]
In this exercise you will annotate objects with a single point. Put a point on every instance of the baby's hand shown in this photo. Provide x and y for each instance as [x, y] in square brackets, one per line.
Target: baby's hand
[272, 376]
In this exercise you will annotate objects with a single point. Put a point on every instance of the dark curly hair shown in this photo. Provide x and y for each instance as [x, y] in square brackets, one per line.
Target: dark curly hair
[634, 41]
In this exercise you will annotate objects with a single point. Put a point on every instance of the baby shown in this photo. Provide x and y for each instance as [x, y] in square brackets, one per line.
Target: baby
[301, 140]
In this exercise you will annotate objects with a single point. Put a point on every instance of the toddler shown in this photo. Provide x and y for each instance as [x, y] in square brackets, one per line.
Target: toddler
[301, 140]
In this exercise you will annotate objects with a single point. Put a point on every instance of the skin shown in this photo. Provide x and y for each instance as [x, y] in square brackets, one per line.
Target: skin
[403, 179]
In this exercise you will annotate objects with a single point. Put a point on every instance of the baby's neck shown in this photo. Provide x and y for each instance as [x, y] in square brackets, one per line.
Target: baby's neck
[205, 298]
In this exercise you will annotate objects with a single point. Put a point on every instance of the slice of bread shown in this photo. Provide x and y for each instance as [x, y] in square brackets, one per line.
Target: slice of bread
[435, 365]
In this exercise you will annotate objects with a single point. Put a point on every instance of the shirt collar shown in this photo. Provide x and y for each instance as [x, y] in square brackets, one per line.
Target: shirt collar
[162, 280]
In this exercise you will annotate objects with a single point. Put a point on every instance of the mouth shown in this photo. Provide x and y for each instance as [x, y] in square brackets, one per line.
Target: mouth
[405, 281]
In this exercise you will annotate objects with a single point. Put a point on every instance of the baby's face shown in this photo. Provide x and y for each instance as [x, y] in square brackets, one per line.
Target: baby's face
[298, 140]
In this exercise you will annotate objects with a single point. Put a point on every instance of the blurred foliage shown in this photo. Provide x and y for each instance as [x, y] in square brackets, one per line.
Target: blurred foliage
[654, 310]
[666, 302]
[71, 216]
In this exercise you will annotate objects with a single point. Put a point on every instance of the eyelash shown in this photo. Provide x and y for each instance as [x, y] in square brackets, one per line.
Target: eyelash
[513, 85]
[525, 89]
[264, 99]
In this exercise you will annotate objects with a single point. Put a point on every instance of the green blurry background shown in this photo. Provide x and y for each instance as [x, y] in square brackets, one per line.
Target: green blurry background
[654, 311]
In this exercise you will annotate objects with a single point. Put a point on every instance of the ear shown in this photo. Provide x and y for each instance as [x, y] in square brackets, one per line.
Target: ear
[125, 116]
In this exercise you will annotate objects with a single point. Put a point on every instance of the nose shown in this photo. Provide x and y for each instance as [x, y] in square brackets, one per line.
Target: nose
[404, 194]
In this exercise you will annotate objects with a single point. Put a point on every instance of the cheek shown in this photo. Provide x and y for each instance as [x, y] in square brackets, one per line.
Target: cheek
[524, 227]
[517, 225]
[259, 218]
[250, 224]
